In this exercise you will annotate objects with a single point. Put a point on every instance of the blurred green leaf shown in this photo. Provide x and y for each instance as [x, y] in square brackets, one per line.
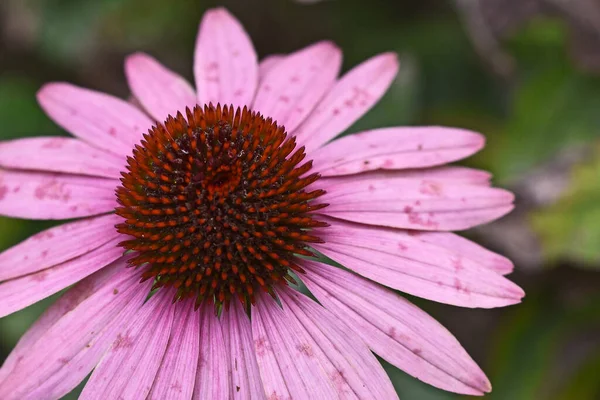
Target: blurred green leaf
[529, 341]
[584, 384]
[20, 115]
[554, 105]
[571, 227]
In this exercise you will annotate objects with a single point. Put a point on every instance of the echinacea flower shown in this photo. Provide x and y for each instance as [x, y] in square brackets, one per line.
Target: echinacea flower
[186, 239]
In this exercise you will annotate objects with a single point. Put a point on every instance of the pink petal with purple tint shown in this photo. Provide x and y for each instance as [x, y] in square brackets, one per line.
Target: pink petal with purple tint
[306, 347]
[285, 355]
[246, 383]
[21, 292]
[128, 369]
[73, 344]
[423, 204]
[102, 120]
[349, 99]
[54, 196]
[293, 87]
[67, 302]
[461, 175]
[59, 154]
[213, 376]
[268, 63]
[273, 366]
[395, 258]
[468, 249]
[395, 329]
[56, 245]
[225, 63]
[395, 148]
[161, 91]
[346, 360]
[177, 373]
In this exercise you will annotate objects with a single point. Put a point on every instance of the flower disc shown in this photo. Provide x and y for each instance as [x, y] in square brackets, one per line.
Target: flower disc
[217, 204]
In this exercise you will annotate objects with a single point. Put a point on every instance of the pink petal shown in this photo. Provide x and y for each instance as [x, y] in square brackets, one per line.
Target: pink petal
[59, 154]
[395, 329]
[286, 353]
[352, 369]
[56, 245]
[461, 175]
[213, 376]
[468, 249]
[395, 148]
[423, 204]
[245, 376]
[272, 363]
[351, 97]
[102, 120]
[161, 91]
[128, 369]
[309, 356]
[292, 88]
[177, 374]
[67, 302]
[72, 346]
[268, 63]
[34, 195]
[21, 292]
[225, 63]
[397, 259]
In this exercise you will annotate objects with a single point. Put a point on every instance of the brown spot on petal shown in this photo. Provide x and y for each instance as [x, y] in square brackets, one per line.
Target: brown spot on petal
[122, 342]
[3, 191]
[305, 349]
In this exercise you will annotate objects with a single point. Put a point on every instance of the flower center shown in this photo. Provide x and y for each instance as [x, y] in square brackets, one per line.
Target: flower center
[217, 204]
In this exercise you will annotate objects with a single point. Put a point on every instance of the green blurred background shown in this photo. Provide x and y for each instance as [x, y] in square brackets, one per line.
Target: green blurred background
[526, 73]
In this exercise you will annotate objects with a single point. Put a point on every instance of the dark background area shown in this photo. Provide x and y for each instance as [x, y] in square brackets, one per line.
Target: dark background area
[526, 73]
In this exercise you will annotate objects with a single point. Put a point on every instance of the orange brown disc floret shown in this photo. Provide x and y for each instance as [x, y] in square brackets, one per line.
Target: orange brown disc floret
[217, 204]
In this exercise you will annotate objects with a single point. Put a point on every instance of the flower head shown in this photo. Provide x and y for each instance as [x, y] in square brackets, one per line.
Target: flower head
[195, 216]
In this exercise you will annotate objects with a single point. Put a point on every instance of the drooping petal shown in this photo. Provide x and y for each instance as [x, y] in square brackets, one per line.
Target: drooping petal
[213, 376]
[35, 195]
[86, 322]
[292, 88]
[309, 356]
[128, 369]
[352, 369]
[21, 292]
[246, 383]
[349, 99]
[468, 249]
[287, 369]
[396, 329]
[67, 302]
[423, 204]
[395, 148]
[177, 374]
[225, 63]
[397, 259]
[268, 63]
[59, 154]
[273, 368]
[56, 245]
[102, 120]
[461, 175]
[161, 91]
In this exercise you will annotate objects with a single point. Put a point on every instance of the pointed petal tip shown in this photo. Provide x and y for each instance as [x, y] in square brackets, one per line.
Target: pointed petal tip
[133, 59]
[219, 13]
[49, 89]
[390, 59]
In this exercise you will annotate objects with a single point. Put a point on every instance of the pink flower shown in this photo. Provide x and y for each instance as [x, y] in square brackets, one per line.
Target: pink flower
[215, 206]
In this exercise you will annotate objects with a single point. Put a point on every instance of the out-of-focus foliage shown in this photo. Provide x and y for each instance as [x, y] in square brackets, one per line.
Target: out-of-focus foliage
[546, 107]
[569, 228]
